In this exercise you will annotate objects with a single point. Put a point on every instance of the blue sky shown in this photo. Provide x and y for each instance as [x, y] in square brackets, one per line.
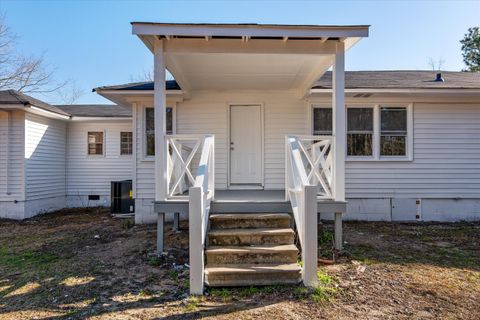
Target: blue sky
[91, 41]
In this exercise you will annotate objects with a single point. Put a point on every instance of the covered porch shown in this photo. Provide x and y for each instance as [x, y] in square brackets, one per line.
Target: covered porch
[256, 61]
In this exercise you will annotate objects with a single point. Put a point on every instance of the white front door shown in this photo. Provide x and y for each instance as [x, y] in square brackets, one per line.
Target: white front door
[246, 145]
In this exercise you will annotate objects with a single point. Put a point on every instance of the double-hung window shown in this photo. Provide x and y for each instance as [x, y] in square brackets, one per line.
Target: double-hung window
[126, 144]
[374, 132]
[322, 121]
[95, 142]
[150, 129]
[360, 131]
[393, 131]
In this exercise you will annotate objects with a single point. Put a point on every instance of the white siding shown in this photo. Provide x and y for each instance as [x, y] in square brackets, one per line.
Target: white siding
[446, 159]
[12, 141]
[92, 174]
[44, 157]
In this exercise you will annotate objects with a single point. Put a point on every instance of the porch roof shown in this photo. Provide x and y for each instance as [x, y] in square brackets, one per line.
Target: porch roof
[247, 56]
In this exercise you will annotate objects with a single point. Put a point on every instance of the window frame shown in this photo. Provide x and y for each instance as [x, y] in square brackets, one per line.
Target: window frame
[131, 144]
[146, 157]
[103, 143]
[376, 139]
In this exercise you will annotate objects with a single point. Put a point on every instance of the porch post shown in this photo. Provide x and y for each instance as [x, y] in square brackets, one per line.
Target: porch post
[339, 122]
[339, 129]
[160, 122]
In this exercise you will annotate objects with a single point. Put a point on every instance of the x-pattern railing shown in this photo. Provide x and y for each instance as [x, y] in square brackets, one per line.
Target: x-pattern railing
[317, 156]
[182, 151]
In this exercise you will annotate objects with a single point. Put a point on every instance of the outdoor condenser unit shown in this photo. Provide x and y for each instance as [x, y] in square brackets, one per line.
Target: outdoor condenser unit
[122, 197]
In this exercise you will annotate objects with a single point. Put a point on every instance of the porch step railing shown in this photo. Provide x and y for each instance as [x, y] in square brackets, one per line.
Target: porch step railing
[182, 158]
[201, 194]
[308, 163]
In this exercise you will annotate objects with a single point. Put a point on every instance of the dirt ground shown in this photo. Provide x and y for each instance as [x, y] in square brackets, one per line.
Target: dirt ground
[79, 264]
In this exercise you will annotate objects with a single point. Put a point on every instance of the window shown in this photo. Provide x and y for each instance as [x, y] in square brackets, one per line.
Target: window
[150, 128]
[95, 143]
[376, 132]
[393, 135]
[322, 121]
[360, 131]
[125, 143]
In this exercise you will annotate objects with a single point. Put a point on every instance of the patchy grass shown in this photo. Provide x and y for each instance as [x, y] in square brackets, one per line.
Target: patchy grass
[83, 264]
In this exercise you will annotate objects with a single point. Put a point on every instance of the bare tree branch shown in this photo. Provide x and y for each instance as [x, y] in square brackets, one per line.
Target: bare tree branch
[436, 65]
[22, 73]
[70, 93]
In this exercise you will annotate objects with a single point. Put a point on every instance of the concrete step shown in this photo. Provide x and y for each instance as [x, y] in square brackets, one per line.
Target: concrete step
[258, 236]
[249, 220]
[267, 254]
[252, 275]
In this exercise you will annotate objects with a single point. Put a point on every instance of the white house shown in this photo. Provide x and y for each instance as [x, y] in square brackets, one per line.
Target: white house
[253, 123]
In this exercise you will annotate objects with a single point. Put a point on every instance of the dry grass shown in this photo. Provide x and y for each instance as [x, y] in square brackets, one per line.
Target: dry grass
[79, 264]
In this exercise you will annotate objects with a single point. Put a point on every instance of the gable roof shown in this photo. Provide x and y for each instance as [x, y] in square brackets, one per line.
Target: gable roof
[96, 110]
[403, 79]
[14, 97]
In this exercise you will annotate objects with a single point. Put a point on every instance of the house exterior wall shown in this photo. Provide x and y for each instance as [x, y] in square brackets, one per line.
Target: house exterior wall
[45, 141]
[207, 113]
[440, 183]
[444, 176]
[12, 173]
[92, 174]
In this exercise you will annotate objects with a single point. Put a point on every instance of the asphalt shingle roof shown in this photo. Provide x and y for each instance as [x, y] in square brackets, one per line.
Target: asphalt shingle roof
[15, 97]
[401, 79]
[96, 110]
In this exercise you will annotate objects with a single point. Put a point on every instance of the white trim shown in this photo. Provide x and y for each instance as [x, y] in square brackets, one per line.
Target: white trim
[395, 90]
[137, 92]
[143, 150]
[46, 113]
[262, 153]
[104, 147]
[77, 118]
[254, 30]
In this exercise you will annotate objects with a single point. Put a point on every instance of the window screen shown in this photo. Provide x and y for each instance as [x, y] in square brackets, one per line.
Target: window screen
[95, 143]
[393, 135]
[359, 131]
[322, 121]
[150, 128]
[126, 144]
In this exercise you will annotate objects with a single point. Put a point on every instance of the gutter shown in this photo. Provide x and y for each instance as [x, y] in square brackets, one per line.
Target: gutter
[80, 118]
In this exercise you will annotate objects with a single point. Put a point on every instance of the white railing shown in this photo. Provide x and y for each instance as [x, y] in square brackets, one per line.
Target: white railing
[200, 196]
[308, 173]
[182, 158]
[316, 153]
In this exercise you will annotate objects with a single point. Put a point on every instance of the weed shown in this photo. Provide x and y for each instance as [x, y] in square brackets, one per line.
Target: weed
[324, 279]
[267, 289]
[154, 261]
[127, 223]
[301, 293]
[26, 259]
[145, 293]
[192, 303]
[325, 244]
[323, 294]
[172, 274]
[223, 293]
[248, 292]
[325, 291]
